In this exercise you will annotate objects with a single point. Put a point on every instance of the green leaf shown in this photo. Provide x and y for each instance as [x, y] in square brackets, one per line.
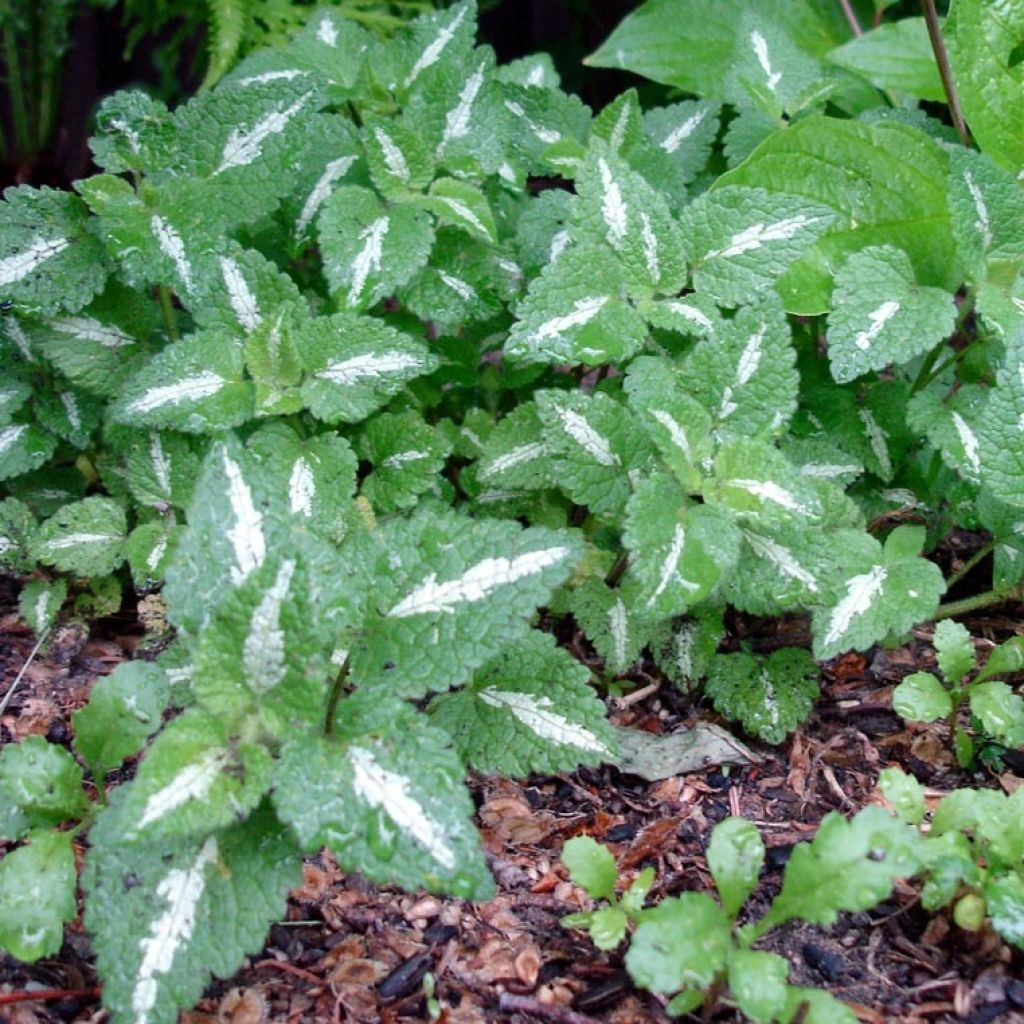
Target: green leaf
[434, 40]
[17, 524]
[194, 778]
[369, 249]
[48, 259]
[463, 205]
[40, 602]
[735, 855]
[683, 650]
[614, 622]
[591, 866]
[531, 709]
[744, 239]
[124, 710]
[905, 794]
[85, 538]
[771, 697]
[607, 927]
[450, 593]
[880, 316]
[166, 915]
[1000, 711]
[398, 158]
[1005, 660]
[893, 192]
[815, 1006]
[37, 896]
[41, 781]
[575, 312]
[757, 981]
[982, 39]
[24, 447]
[162, 470]
[196, 385]
[683, 941]
[387, 797]
[133, 132]
[954, 649]
[514, 456]
[1002, 458]
[1004, 898]
[849, 865]
[685, 132]
[896, 56]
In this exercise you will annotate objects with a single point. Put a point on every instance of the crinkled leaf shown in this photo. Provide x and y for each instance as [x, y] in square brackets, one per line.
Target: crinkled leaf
[684, 132]
[24, 447]
[591, 866]
[1006, 659]
[896, 56]
[614, 621]
[40, 602]
[42, 782]
[133, 133]
[433, 40]
[17, 524]
[72, 415]
[514, 456]
[1004, 901]
[149, 548]
[954, 649]
[397, 156]
[162, 469]
[1000, 711]
[735, 855]
[531, 709]
[905, 793]
[543, 120]
[950, 423]
[463, 205]
[1002, 427]
[683, 649]
[86, 538]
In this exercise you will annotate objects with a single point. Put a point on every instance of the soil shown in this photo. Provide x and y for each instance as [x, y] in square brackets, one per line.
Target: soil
[349, 951]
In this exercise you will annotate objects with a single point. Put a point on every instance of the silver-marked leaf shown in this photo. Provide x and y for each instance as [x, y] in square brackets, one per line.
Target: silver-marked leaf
[1001, 429]
[370, 249]
[133, 132]
[149, 549]
[514, 457]
[950, 422]
[37, 896]
[386, 795]
[85, 538]
[194, 779]
[398, 158]
[167, 914]
[433, 40]
[196, 385]
[594, 442]
[162, 470]
[24, 447]
[48, 259]
[888, 592]
[880, 316]
[14, 393]
[407, 455]
[451, 592]
[769, 696]
[742, 240]
[576, 312]
[683, 648]
[620, 124]
[536, 69]
[542, 120]
[40, 602]
[531, 709]
[463, 205]
[614, 621]
[542, 230]
[70, 414]
[684, 132]
[694, 316]
[17, 524]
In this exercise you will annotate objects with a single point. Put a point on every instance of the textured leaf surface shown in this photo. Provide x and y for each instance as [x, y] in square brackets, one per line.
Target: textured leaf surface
[1001, 429]
[41, 782]
[23, 447]
[988, 210]
[40, 603]
[614, 622]
[86, 538]
[684, 132]
[896, 56]
[735, 855]
[591, 866]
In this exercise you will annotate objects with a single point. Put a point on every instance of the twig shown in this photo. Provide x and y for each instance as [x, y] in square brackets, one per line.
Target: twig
[931, 18]
[47, 995]
[298, 972]
[24, 668]
[851, 17]
[508, 1002]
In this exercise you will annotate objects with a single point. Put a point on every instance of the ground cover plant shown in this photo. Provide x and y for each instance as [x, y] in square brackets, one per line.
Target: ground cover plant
[384, 361]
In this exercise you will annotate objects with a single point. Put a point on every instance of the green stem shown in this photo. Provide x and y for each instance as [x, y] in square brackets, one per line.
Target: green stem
[925, 375]
[334, 696]
[15, 89]
[167, 307]
[952, 609]
[931, 18]
[851, 17]
[978, 556]
[956, 696]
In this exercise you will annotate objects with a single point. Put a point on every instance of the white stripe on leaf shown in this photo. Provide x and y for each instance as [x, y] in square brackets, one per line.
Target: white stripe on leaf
[245, 145]
[679, 134]
[85, 328]
[263, 651]
[514, 457]
[456, 122]
[394, 158]
[760, 45]
[432, 54]
[584, 310]
[613, 208]
[369, 365]
[860, 592]
[757, 234]
[21, 264]
[301, 489]
[243, 302]
[190, 389]
[173, 247]
[368, 259]
[193, 782]
[246, 533]
[595, 444]
[333, 172]
[879, 318]
[537, 715]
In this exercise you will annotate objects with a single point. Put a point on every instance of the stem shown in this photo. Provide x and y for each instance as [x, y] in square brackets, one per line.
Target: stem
[952, 609]
[925, 375]
[931, 17]
[167, 307]
[956, 696]
[971, 562]
[39, 995]
[334, 696]
[851, 17]
[15, 89]
[616, 571]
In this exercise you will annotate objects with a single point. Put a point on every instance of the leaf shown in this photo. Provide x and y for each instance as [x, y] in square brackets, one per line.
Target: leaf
[194, 778]
[451, 592]
[607, 927]
[905, 793]
[514, 456]
[683, 649]
[771, 697]
[133, 132]
[654, 757]
[684, 940]
[86, 537]
[982, 39]
[880, 316]
[735, 855]
[892, 192]
[397, 157]
[24, 447]
[463, 205]
[757, 981]
[37, 896]
[954, 649]
[575, 312]
[48, 259]
[1006, 659]
[1004, 899]
[591, 866]
[684, 132]
[1000, 711]
[896, 56]
[40, 602]
[196, 385]
[613, 621]
[887, 593]
[436, 39]
[370, 250]
[17, 524]
[42, 782]
[1002, 457]
[166, 915]
[815, 1006]
[531, 709]
[387, 798]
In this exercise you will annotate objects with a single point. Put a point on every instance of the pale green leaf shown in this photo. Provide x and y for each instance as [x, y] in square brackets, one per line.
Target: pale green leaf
[735, 855]
[896, 56]
[40, 602]
[17, 524]
[684, 132]
[42, 782]
[463, 205]
[162, 470]
[683, 649]
[1004, 901]
[905, 793]
[613, 621]
[1001, 428]
[757, 981]
[397, 156]
[24, 447]
[954, 649]
[1000, 712]
[86, 538]
[591, 866]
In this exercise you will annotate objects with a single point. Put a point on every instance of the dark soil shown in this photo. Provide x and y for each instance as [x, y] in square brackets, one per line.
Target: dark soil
[350, 951]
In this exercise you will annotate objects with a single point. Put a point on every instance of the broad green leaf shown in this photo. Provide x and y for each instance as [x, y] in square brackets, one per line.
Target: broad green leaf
[355, 364]
[742, 240]
[757, 981]
[542, 121]
[880, 316]
[920, 697]
[450, 593]
[196, 385]
[387, 797]
[607, 927]
[17, 524]
[514, 456]
[162, 470]
[735, 855]
[40, 602]
[954, 649]
[24, 447]
[37, 896]
[124, 710]
[591, 866]
[593, 443]
[85, 538]
[849, 865]
[72, 415]
[166, 915]
[683, 650]
[1006, 659]
[950, 422]
[41, 781]
[133, 133]
[433, 40]
[893, 192]
[575, 312]
[983, 40]
[542, 229]
[683, 941]
[48, 259]
[1002, 427]
[685, 133]
[13, 395]
[148, 550]
[815, 1006]
[620, 125]
[194, 778]
[272, 359]
[531, 709]
[614, 622]
[398, 158]
[463, 205]
[1000, 711]
[905, 793]
[1004, 900]
[888, 592]
[896, 56]
[770, 696]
